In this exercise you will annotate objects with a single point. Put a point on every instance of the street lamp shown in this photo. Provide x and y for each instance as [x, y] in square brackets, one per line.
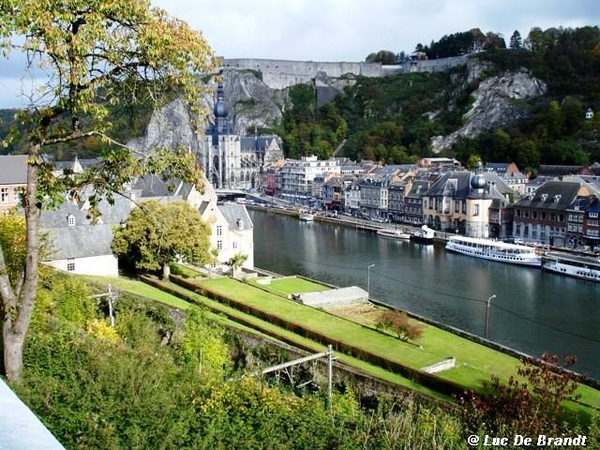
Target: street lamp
[369, 280]
[487, 313]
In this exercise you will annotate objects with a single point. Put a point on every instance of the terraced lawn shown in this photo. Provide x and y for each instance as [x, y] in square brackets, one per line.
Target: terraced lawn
[474, 362]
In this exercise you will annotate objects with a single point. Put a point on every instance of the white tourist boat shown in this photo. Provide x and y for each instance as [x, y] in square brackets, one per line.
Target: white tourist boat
[583, 267]
[393, 233]
[494, 250]
[307, 217]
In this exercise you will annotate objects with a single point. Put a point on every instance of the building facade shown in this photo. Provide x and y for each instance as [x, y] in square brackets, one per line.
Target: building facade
[231, 161]
[13, 179]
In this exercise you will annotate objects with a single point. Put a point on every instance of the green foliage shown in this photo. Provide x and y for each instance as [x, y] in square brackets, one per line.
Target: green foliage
[531, 404]
[12, 245]
[398, 323]
[156, 233]
[202, 346]
[385, 57]
[143, 391]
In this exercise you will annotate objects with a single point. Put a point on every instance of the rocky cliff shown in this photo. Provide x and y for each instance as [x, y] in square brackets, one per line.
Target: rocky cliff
[498, 101]
[251, 103]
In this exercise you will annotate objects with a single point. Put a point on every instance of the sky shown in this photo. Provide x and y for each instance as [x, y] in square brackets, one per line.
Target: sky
[343, 30]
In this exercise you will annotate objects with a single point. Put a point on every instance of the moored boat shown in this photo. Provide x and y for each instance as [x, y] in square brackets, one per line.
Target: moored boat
[494, 250]
[582, 267]
[423, 235]
[393, 233]
[307, 217]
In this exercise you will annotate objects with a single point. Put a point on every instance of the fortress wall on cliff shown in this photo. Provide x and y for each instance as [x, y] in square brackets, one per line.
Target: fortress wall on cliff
[279, 74]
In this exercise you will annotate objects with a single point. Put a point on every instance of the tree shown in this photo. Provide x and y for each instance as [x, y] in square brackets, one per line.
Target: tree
[236, 261]
[516, 42]
[95, 54]
[398, 323]
[155, 234]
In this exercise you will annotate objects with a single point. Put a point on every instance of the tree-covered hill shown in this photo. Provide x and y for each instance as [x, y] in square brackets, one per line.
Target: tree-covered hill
[393, 119]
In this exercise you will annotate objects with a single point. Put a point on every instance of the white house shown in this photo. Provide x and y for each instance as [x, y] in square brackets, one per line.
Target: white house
[76, 245]
[232, 230]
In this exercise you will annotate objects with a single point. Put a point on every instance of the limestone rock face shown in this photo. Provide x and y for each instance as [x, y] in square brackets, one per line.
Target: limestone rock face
[251, 102]
[496, 104]
[169, 127]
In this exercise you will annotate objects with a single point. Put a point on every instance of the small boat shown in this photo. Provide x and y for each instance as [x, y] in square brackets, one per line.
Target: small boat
[423, 235]
[494, 250]
[393, 233]
[582, 267]
[307, 217]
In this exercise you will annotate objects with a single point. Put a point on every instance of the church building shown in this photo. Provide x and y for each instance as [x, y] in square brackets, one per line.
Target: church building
[232, 161]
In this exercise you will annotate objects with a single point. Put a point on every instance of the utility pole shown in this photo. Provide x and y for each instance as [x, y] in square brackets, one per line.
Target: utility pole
[369, 280]
[487, 313]
[111, 299]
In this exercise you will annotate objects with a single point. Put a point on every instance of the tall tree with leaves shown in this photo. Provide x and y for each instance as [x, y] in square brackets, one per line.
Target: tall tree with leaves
[155, 234]
[90, 54]
[516, 42]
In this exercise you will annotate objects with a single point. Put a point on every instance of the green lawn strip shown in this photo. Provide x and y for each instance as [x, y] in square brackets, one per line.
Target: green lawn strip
[142, 289]
[475, 362]
[338, 328]
[479, 369]
[270, 331]
[185, 271]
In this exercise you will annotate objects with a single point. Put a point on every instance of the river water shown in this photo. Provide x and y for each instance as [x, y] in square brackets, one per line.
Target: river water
[533, 311]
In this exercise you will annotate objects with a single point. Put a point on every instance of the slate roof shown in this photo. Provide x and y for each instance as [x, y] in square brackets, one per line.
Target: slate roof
[13, 169]
[557, 195]
[457, 184]
[248, 143]
[418, 188]
[83, 239]
[452, 184]
[236, 214]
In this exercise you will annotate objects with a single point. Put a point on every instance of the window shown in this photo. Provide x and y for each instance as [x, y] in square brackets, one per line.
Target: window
[71, 220]
[475, 210]
[219, 230]
[235, 244]
[593, 215]
[71, 265]
[219, 245]
[4, 195]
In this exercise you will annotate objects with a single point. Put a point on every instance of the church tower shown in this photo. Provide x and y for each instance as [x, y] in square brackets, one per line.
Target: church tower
[232, 161]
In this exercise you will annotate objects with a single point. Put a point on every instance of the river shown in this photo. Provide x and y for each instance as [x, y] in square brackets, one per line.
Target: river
[532, 311]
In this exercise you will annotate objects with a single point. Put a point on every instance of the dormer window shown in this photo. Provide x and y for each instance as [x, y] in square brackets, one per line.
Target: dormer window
[556, 198]
[71, 220]
[543, 197]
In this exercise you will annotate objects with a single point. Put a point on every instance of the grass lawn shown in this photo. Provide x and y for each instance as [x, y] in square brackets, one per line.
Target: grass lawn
[142, 289]
[475, 363]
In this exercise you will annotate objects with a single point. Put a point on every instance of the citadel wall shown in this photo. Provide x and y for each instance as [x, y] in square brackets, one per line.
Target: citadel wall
[279, 74]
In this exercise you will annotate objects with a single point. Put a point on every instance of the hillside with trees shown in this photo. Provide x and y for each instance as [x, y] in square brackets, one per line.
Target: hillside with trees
[393, 119]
